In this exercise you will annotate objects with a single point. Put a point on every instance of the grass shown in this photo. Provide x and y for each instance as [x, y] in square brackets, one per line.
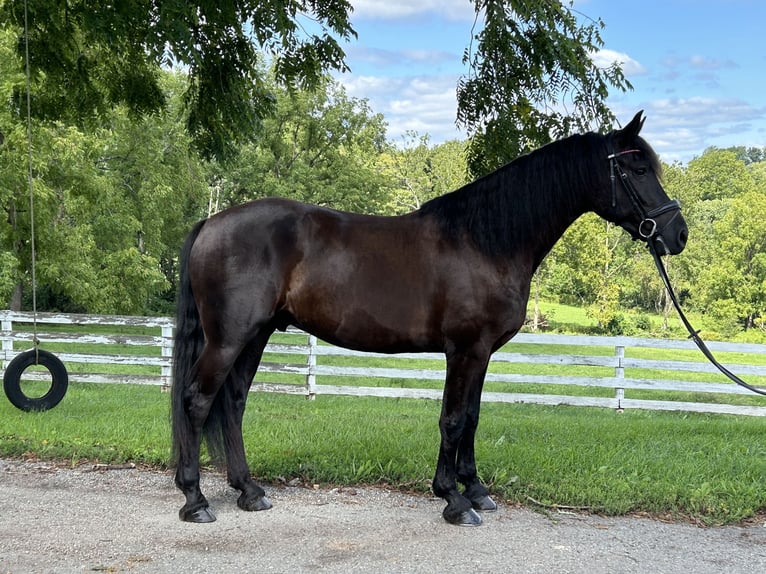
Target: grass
[707, 467]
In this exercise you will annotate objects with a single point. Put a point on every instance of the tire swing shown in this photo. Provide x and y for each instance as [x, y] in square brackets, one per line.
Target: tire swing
[21, 362]
[16, 368]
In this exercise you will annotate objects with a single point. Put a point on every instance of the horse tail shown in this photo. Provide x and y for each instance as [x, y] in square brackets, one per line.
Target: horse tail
[188, 343]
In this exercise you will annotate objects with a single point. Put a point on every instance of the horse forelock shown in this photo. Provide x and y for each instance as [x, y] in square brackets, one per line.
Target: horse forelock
[505, 210]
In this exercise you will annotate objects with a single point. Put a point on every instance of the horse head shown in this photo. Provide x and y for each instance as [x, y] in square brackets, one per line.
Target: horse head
[637, 201]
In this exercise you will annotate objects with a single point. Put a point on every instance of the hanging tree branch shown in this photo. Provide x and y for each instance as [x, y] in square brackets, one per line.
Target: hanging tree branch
[88, 56]
[532, 79]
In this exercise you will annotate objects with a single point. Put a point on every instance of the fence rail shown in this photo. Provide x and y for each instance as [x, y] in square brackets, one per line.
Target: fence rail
[593, 371]
[155, 350]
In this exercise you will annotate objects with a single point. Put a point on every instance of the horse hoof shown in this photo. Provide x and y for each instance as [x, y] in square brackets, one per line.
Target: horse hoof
[469, 518]
[253, 504]
[465, 518]
[484, 504]
[200, 516]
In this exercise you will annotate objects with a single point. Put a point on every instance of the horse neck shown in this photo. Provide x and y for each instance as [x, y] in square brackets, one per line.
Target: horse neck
[542, 243]
[543, 207]
[520, 211]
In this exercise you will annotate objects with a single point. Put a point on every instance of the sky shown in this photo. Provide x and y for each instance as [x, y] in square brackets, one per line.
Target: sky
[697, 67]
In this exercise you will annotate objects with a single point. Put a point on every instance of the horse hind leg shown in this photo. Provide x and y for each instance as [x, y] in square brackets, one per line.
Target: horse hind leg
[187, 478]
[200, 405]
[235, 392]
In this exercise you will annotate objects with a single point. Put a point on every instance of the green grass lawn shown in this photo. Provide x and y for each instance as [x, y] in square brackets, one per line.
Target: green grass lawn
[710, 467]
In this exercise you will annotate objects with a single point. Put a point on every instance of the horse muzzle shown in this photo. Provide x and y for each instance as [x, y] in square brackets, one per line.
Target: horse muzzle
[671, 236]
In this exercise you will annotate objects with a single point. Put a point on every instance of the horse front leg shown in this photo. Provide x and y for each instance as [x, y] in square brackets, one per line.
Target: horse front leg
[465, 378]
[467, 475]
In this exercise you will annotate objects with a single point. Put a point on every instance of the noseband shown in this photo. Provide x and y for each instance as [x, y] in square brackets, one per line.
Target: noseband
[648, 227]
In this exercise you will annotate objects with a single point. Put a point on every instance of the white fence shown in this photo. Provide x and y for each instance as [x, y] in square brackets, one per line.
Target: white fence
[613, 372]
[123, 344]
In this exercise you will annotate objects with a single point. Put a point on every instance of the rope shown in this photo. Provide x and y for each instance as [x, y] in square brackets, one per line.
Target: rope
[29, 177]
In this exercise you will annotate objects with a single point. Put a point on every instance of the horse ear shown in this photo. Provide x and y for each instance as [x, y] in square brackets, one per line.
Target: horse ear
[628, 134]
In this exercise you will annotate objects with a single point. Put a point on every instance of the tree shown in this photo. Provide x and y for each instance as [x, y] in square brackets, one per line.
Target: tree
[157, 188]
[718, 175]
[319, 147]
[758, 171]
[111, 209]
[733, 288]
[422, 171]
[723, 269]
[87, 57]
[13, 173]
[749, 155]
[532, 80]
[581, 269]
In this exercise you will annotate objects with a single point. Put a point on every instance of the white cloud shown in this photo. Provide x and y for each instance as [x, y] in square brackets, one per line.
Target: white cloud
[458, 10]
[705, 63]
[678, 128]
[682, 128]
[427, 56]
[425, 104]
[605, 58]
[383, 57]
[700, 71]
[369, 87]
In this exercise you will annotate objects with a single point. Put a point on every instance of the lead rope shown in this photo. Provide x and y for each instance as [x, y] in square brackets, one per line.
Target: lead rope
[694, 334]
[31, 186]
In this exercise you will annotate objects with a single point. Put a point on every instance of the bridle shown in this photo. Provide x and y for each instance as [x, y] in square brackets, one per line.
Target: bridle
[648, 227]
[648, 230]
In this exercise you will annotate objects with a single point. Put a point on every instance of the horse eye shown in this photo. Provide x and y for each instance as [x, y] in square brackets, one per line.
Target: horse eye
[641, 171]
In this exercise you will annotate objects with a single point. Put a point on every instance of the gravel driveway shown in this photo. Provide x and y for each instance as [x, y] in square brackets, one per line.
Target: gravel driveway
[85, 520]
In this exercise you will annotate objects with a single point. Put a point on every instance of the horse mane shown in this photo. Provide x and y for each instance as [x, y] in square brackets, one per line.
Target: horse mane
[509, 208]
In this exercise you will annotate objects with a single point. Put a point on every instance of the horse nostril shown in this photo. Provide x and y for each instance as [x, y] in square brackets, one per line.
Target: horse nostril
[683, 236]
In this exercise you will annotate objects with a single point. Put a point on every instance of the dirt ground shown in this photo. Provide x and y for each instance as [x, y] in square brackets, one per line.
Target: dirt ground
[90, 519]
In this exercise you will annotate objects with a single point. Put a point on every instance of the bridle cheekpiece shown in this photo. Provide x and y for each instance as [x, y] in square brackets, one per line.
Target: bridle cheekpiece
[648, 228]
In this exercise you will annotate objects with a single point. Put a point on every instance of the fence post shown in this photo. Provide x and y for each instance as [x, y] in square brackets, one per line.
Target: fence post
[166, 372]
[619, 373]
[311, 363]
[7, 345]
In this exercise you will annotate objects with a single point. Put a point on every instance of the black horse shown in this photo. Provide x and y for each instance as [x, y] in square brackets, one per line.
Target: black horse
[452, 277]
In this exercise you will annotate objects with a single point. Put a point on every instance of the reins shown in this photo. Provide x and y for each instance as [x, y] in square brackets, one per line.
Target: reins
[649, 231]
[694, 334]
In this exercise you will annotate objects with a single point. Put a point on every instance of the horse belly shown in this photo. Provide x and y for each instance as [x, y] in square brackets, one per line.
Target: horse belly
[373, 308]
